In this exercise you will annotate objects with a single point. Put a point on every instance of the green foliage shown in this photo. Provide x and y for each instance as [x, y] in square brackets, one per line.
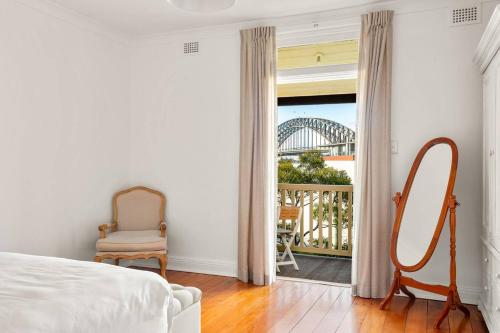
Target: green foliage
[288, 173]
[335, 210]
[310, 169]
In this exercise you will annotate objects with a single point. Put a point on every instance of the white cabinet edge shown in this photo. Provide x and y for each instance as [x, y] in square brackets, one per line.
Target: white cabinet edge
[490, 41]
[491, 248]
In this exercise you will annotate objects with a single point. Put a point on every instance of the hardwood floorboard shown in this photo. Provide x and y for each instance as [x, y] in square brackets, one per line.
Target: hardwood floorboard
[354, 318]
[477, 320]
[279, 306]
[251, 315]
[295, 313]
[335, 315]
[374, 319]
[416, 320]
[433, 310]
[229, 305]
[459, 322]
[396, 315]
[318, 311]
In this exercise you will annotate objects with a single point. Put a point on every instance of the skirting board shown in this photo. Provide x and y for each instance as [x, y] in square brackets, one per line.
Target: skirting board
[205, 266]
[468, 295]
[192, 265]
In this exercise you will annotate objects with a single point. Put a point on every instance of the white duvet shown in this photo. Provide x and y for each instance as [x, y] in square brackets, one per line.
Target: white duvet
[45, 294]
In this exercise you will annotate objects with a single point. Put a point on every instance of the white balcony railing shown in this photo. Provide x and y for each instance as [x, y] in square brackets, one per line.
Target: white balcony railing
[326, 223]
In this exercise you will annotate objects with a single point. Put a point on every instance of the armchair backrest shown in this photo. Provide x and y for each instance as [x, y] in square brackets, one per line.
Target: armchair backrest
[138, 208]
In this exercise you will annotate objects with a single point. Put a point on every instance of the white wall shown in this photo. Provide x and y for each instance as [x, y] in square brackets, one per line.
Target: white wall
[185, 130]
[185, 139]
[63, 130]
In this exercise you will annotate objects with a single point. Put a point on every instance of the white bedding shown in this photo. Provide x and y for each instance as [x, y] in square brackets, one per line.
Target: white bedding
[45, 294]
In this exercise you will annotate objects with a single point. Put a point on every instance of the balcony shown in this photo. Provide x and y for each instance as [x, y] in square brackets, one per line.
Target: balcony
[323, 243]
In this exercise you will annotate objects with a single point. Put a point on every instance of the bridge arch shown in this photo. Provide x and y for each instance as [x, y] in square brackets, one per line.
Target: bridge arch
[333, 132]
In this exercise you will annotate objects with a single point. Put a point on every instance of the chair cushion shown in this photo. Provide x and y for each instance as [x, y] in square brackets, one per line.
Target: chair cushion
[132, 241]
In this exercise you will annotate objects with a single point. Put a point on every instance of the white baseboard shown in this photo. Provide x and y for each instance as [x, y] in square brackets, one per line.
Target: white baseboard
[468, 295]
[205, 266]
[192, 265]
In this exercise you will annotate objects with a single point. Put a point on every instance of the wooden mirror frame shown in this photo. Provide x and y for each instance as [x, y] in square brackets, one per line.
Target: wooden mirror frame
[401, 282]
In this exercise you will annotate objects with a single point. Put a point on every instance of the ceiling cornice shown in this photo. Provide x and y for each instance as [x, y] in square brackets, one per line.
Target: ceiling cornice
[337, 23]
[74, 18]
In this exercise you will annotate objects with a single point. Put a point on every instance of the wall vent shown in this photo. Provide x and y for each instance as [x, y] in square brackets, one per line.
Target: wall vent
[191, 47]
[464, 15]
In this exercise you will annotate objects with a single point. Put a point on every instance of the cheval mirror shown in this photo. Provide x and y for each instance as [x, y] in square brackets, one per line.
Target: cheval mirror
[421, 212]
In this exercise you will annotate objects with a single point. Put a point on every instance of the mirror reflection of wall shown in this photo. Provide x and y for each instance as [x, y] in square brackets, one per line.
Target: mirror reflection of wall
[424, 205]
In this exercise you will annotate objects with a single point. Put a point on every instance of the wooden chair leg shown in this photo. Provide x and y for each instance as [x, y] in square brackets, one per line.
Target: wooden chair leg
[163, 265]
[283, 256]
[97, 259]
[117, 262]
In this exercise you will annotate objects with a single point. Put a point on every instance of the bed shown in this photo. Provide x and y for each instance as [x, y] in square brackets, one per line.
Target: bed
[46, 294]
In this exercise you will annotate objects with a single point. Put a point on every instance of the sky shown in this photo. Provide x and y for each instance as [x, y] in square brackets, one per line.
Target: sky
[344, 114]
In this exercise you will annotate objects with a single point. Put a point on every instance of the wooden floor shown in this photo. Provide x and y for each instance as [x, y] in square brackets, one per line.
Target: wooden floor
[329, 269]
[288, 306]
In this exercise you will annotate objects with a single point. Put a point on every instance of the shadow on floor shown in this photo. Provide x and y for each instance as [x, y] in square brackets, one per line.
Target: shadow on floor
[329, 269]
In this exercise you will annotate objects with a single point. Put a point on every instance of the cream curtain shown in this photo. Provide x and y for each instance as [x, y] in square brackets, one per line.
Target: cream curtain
[372, 268]
[257, 188]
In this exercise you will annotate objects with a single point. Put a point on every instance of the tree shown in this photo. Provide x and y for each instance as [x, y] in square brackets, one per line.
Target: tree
[310, 169]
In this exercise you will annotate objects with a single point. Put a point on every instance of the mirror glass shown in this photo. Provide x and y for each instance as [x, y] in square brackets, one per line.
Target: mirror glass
[424, 204]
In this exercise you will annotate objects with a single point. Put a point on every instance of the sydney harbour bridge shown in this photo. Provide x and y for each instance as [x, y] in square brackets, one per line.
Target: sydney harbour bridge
[298, 135]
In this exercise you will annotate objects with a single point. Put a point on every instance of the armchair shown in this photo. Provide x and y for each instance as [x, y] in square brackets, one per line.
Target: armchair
[138, 230]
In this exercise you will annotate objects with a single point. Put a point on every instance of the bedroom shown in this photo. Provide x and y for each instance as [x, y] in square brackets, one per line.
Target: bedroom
[98, 96]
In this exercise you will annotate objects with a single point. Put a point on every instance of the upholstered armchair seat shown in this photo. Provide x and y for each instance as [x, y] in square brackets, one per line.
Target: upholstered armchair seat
[138, 230]
[132, 241]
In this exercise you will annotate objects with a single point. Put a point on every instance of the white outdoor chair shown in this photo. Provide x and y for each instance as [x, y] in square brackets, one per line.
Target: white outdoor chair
[287, 236]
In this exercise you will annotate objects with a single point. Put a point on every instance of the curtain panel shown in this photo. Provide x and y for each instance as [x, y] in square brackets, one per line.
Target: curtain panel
[257, 188]
[372, 267]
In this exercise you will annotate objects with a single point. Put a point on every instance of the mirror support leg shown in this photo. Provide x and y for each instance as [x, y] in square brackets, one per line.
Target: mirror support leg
[445, 311]
[460, 306]
[453, 301]
[393, 290]
[407, 292]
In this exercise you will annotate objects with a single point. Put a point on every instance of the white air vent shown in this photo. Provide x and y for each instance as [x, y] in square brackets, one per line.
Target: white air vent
[191, 47]
[463, 15]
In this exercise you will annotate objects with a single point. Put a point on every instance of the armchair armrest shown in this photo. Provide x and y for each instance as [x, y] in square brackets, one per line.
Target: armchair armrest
[103, 227]
[163, 228]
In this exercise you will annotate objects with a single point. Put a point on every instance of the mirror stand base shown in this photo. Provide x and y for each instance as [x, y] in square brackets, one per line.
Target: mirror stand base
[400, 282]
[452, 303]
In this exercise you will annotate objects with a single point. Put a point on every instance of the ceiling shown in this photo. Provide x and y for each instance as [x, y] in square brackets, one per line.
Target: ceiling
[144, 17]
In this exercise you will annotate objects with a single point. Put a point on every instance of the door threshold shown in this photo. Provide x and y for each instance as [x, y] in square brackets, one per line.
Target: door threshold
[336, 284]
